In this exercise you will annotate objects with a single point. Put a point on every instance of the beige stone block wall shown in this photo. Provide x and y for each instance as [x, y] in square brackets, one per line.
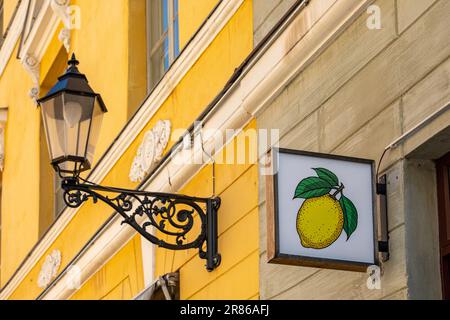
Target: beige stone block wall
[266, 13]
[359, 95]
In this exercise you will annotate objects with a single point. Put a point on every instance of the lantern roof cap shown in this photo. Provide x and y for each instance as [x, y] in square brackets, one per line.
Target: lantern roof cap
[73, 82]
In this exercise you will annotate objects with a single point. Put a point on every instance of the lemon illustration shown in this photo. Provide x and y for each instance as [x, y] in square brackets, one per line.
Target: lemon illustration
[320, 222]
[325, 211]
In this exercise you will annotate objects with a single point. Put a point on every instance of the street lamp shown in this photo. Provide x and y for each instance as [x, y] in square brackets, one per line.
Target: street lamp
[72, 115]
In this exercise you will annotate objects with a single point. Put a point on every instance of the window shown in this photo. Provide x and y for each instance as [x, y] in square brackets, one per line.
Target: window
[162, 38]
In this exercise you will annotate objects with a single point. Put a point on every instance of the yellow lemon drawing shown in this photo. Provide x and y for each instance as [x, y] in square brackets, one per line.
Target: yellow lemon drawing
[320, 222]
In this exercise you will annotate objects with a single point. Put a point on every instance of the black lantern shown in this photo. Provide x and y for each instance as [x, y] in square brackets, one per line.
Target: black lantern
[72, 114]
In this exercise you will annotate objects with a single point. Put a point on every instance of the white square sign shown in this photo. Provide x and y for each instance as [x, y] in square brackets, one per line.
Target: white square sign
[322, 211]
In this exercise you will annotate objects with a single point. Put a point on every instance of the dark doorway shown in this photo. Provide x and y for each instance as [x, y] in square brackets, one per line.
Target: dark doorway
[443, 182]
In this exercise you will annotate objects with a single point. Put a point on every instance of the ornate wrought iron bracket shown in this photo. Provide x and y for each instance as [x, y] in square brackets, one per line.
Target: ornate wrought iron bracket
[170, 221]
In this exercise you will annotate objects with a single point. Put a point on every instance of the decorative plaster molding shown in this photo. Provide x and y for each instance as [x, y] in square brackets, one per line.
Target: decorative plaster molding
[64, 37]
[45, 26]
[32, 66]
[49, 269]
[60, 8]
[150, 151]
[36, 43]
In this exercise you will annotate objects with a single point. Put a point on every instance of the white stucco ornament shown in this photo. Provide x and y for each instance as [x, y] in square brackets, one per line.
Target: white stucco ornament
[49, 269]
[151, 150]
[62, 10]
[32, 66]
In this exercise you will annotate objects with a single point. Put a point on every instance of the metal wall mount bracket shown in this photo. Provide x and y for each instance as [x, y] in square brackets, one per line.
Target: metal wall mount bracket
[171, 221]
[383, 243]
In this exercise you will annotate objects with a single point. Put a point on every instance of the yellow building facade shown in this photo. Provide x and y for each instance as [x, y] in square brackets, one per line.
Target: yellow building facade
[296, 71]
[117, 36]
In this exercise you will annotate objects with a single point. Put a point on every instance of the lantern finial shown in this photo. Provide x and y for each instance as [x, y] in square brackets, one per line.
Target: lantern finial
[73, 63]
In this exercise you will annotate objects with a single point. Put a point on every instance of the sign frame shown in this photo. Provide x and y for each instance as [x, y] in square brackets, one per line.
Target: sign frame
[273, 247]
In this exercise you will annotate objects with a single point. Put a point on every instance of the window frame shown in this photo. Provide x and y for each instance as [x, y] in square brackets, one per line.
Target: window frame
[34, 8]
[168, 19]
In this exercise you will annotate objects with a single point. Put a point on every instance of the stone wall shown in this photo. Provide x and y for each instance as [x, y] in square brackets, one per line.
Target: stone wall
[266, 13]
[364, 91]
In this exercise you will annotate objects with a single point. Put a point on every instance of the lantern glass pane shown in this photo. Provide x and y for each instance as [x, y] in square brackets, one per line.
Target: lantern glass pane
[96, 125]
[54, 126]
[77, 115]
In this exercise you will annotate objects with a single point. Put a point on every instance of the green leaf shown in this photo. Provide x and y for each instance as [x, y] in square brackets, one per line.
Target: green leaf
[350, 215]
[328, 176]
[312, 187]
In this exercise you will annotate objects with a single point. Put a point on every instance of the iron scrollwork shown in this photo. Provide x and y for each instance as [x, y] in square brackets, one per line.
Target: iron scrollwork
[169, 221]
